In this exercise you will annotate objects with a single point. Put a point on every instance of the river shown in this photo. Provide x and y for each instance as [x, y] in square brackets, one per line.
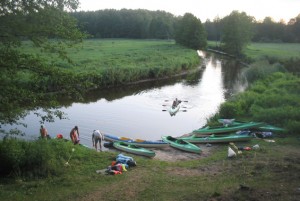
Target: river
[136, 111]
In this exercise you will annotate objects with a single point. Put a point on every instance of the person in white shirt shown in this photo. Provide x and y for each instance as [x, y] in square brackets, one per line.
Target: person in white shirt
[97, 137]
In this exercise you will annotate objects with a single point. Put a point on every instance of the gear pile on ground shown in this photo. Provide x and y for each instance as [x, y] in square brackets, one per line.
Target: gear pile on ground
[120, 165]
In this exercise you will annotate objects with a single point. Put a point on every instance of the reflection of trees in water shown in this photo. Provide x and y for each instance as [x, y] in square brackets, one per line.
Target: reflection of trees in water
[232, 77]
[194, 78]
[118, 92]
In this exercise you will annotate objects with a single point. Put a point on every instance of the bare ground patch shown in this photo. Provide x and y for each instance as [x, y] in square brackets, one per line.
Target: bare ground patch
[172, 154]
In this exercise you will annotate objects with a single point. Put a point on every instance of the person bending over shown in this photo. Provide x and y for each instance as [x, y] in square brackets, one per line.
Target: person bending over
[97, 137]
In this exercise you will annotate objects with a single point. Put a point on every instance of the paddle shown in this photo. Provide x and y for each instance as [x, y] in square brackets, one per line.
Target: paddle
[180, 106]
[179, 110]
[180, 100]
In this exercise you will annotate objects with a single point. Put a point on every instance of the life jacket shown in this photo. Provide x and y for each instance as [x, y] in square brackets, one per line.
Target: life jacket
[247, 148]
[59, 136]
[118, 167]
[124, 167]
[115, 172]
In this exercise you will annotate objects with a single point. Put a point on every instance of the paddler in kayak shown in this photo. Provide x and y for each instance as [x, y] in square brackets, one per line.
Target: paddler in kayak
[175, 103]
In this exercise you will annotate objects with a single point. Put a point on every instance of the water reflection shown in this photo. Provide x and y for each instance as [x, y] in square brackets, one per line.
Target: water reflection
[136, 111]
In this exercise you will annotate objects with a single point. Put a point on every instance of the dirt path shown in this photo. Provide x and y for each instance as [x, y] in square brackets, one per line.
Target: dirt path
[172, 154]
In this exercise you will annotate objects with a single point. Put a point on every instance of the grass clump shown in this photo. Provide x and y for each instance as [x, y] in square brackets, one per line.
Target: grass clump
[261, 69]
[41, 158]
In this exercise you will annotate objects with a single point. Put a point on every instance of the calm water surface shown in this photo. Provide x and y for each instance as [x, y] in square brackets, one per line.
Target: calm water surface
[136, 111]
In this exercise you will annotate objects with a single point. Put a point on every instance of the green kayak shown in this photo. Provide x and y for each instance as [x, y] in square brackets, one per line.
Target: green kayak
[265, 127]
[226, 128]
[123, 146]
[217, 139]
[181, 144]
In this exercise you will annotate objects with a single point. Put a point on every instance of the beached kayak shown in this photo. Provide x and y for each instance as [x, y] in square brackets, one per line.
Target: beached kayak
[174, 110]
[218, 139]
[148, 143]
[181, 144]
[123, 146]
[265, 127]
[137, 142]
[226, 128]
[114, 138]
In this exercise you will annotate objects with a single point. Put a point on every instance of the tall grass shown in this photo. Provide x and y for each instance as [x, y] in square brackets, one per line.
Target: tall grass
[274, 99]
[41, 158]
[116, 61]
[261, 69]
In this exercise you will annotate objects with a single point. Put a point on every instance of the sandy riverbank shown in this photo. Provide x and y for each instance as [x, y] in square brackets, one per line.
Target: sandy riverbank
[172, 154]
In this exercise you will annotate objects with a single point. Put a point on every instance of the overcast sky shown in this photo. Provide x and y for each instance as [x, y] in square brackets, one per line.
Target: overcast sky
[204, 9]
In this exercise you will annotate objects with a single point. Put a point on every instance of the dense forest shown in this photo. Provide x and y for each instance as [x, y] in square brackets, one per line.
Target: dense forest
[126, 23]
[145, 24]
[266, 31]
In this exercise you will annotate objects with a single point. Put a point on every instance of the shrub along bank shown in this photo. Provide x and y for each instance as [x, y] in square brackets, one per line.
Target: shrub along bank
[274, 99]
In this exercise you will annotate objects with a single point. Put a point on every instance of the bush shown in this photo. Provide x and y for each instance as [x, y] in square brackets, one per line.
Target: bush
[261, 69]
[39, 158]
[292, 65]
[274, 100]
[229, 109]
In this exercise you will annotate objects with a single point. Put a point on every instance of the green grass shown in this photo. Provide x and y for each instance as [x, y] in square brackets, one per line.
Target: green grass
[278, 50]
[281, 51]
[274, 99]
[269, 173]
[108, 62]
[96, 55]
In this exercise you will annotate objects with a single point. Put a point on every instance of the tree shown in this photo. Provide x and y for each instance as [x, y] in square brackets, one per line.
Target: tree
[213, 29]
[22, 73]
[294, 27]
[190, 32]
[38, 21]
[237, 32]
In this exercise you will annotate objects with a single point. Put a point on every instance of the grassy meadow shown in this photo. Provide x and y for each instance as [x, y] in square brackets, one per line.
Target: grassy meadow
[98, 63]
[96, 55]
[279, 50]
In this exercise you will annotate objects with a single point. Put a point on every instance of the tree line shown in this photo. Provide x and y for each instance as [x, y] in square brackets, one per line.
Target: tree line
[265, 31]
[145, 24]
[187, 30]
[140, 24]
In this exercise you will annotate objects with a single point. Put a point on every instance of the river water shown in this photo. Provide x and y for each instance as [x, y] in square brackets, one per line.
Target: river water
[136, 111]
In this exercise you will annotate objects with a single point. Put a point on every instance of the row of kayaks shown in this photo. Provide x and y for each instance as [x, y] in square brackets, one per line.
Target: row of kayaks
[230, 131]
[231, 125]
[142, 147]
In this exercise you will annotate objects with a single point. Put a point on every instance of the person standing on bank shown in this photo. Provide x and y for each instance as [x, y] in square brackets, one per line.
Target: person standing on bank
[74, 135]
[43, 132]
[97, 136]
